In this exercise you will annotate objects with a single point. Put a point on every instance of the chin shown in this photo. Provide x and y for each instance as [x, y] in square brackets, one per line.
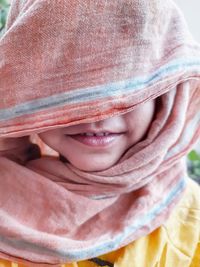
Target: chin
[94, 167]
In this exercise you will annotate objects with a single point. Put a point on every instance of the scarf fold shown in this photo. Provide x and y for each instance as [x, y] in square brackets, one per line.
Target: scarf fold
[68, 62]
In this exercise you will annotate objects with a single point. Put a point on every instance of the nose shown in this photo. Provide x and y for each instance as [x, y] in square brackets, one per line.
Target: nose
[98, 125]
[116, 123]
[105, 122]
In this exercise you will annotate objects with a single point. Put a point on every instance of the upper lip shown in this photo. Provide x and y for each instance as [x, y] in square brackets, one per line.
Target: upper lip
[96, 132]
[93, 132]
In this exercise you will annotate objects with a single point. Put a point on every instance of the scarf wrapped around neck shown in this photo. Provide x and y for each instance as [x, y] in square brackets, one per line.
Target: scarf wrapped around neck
[64, 63]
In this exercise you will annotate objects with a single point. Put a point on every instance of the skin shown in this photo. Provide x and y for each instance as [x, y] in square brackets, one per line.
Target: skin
[131, 128]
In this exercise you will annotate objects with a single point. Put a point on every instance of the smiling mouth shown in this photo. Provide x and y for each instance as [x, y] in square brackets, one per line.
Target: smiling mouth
[96, 134]
[101, 139]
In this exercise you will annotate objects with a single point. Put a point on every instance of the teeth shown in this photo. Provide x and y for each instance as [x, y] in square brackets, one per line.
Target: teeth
[95, 134]
[100, 134]
[89, 134]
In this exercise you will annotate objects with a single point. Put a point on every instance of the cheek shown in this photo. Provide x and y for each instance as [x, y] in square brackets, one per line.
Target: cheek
[146, 114]
[51, 139]
[140, 119]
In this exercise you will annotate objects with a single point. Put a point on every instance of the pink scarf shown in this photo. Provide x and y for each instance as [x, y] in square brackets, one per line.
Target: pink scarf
[68, 62]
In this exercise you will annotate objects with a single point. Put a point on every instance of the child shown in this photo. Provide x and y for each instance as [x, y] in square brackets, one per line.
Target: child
[113, 89]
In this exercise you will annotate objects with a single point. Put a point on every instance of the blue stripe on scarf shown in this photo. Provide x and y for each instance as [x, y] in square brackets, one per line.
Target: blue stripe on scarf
[113, 244]
[98, 92]
[106, 246]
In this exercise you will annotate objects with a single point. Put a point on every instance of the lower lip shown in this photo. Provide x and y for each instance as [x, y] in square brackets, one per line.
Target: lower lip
[96, 141]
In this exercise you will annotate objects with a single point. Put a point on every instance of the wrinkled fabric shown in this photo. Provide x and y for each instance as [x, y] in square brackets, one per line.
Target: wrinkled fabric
[68, 62]
[81, 61]
[175, 243]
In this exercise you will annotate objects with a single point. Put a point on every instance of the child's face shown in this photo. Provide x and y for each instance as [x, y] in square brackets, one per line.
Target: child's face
[97, 153]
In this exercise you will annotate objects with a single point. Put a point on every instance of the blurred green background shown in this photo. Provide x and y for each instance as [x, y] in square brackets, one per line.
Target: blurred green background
[193, 158]
[4, 7]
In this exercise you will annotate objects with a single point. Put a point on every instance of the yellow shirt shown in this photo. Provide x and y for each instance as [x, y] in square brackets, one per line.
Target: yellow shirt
[175, 244]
